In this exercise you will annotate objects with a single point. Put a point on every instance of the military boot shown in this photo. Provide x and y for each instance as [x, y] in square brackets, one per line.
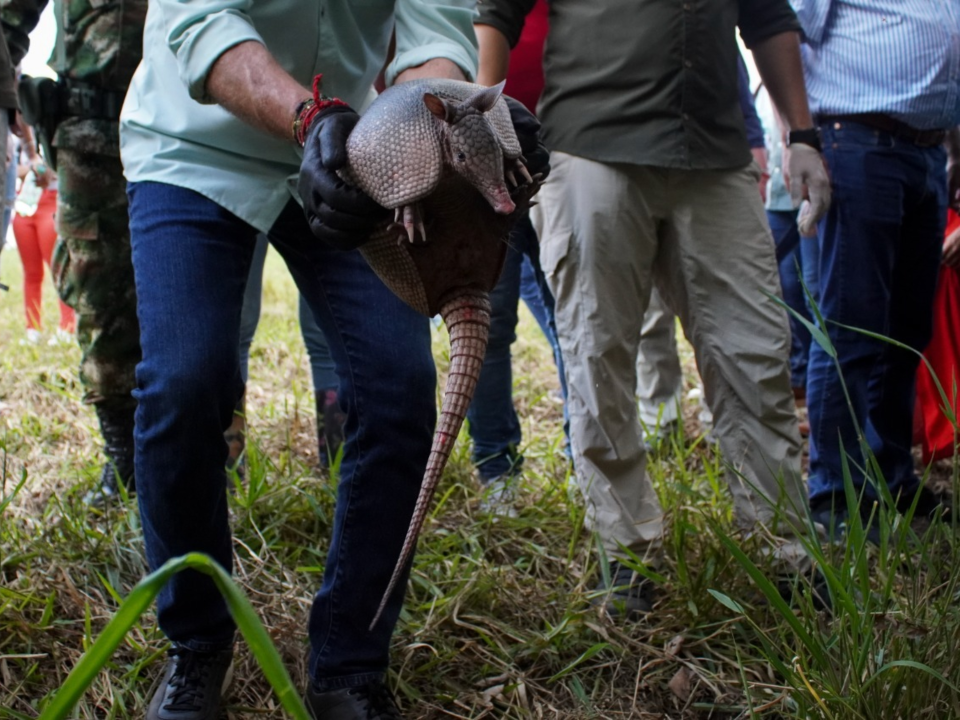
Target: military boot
[116, 426]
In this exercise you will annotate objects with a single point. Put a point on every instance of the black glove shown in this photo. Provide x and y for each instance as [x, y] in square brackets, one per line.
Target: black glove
[339, 214]
[535, 154]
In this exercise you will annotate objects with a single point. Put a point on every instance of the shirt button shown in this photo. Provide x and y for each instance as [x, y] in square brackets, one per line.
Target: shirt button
[685, 116]
[687, 7]
[688, 63]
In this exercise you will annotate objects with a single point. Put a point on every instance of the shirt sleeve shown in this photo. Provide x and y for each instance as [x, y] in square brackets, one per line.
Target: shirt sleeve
[19, 18]
[762, 19]
[431, 29]
[507, 16]
[198, 32]
[750, 118]
[813, 17]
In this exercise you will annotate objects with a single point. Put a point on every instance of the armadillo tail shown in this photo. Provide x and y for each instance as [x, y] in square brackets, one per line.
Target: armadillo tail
[467, 317]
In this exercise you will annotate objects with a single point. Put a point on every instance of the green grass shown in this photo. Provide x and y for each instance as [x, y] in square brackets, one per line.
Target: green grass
[497, 621]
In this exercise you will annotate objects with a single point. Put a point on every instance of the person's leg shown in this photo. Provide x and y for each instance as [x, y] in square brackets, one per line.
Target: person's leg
[493, 423]
[191, 259]
[783, 225]
[93, 274]
[46, 228]
[716, 268]
[597, 248]
[659, 375]
[28, 247]
[387, 386]
[535, 292]
[250, 314]
[876, 184]
[8, 180]
[323, 371]
[889, 427]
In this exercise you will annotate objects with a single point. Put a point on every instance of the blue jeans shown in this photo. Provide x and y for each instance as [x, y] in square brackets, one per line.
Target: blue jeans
[879, 261]
[191, 260]
[783, 225]
[494, 426]
[322, 369]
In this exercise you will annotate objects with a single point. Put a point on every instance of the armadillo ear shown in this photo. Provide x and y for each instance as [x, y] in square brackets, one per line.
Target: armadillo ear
[484, 100]
[440, 108]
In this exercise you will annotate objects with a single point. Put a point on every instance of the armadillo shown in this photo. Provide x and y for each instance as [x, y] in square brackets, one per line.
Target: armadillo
[440, 153]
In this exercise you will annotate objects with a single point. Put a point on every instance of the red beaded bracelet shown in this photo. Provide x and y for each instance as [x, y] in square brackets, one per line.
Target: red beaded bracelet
[308, 109]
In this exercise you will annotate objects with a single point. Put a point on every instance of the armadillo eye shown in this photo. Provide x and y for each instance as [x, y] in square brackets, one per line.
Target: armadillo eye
[461, 157]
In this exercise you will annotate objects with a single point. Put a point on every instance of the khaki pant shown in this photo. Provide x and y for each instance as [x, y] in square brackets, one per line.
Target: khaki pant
[659, 375]
[608, 232]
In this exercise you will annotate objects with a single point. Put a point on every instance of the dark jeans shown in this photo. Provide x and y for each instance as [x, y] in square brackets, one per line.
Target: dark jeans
[783, 225]
[494, 426]
[322, 369]
[192, 259]
[879, 261]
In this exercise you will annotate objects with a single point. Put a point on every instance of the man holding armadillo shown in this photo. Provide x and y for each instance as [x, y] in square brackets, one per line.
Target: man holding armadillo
[212, 131]
[652, 182]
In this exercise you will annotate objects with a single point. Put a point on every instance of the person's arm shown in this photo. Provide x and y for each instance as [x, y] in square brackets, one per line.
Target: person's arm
[778, 60]
[494, 55]
[19, 18]
[953, 168]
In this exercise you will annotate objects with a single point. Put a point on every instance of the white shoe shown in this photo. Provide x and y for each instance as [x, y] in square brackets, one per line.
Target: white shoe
[61, 337]
[32, 338]
[498, 497]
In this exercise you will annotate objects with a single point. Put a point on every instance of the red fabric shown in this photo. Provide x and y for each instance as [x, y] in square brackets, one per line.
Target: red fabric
[525, 77]
[36, 235]
[943, 354]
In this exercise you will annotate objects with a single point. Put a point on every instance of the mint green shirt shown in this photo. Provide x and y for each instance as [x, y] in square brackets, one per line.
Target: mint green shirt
[170, 133]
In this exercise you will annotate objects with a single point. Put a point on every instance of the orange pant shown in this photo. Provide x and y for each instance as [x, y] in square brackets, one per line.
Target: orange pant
[36, 236]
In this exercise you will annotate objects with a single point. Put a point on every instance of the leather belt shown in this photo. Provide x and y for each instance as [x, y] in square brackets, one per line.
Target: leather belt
[892, 126]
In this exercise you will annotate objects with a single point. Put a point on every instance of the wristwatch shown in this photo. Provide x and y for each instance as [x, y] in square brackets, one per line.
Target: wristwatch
[810, 136]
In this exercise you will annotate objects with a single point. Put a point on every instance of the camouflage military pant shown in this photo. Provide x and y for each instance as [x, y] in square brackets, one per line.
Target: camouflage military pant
[91, 263]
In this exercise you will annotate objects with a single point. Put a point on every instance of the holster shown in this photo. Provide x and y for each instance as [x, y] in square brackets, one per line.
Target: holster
[41, 108]
[46, 103]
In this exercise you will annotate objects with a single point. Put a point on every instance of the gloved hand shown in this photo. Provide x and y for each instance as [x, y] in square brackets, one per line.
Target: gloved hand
[808, 179]
[536, 157]
[339, 214]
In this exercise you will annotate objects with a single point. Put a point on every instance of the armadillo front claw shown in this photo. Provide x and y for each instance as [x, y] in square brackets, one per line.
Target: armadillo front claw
[412, 222]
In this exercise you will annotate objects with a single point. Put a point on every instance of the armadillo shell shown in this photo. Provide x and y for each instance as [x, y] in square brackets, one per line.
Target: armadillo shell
[394, 150]
[465, 249]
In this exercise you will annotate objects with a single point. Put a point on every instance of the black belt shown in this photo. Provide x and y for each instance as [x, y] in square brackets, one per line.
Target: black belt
[892, 126]
[80, 99]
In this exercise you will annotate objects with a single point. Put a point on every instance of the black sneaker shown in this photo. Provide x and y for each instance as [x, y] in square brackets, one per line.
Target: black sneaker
[831, 511]
[629, 596]
[929, 503]
[372, 701]
[192, 686]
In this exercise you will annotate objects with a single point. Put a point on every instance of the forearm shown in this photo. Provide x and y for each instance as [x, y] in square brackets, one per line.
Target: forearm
[436, 68]
[778, 60]
[494, 55]
[953, 145]
[247, 81]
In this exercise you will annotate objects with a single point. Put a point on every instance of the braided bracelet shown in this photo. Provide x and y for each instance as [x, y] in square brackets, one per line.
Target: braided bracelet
[307, 111]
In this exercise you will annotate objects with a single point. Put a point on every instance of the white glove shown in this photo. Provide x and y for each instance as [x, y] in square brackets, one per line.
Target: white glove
[805, 169]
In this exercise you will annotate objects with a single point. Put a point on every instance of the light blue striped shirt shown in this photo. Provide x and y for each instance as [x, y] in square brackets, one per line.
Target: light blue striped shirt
[897, 57]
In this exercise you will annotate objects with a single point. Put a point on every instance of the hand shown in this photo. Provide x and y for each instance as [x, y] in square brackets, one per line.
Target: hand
[951, 250]
[339, 214]
[760, 157]
[953, 186]
[807, 179]
[536, 157]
